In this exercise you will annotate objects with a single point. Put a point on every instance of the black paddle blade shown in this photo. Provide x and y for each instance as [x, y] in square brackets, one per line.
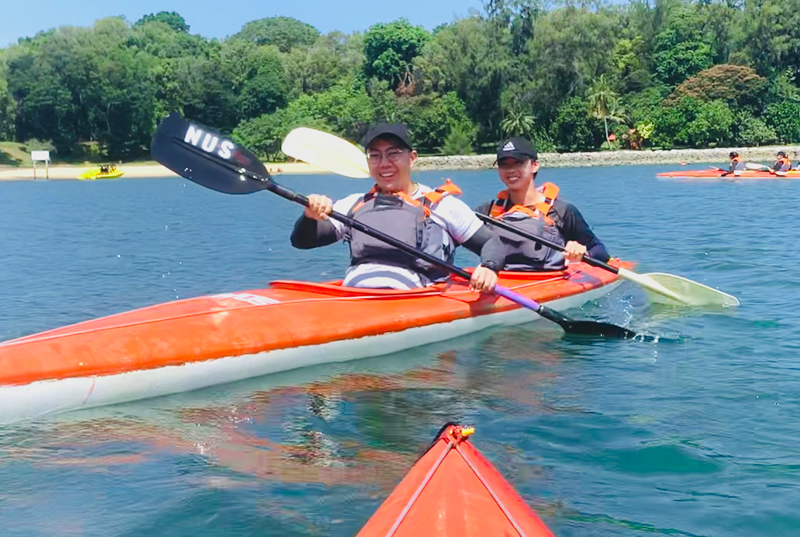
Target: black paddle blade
[207, 157]
[586, 328]
[597, 329]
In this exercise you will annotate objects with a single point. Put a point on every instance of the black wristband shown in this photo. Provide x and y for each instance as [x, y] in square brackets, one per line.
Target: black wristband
[491, 265]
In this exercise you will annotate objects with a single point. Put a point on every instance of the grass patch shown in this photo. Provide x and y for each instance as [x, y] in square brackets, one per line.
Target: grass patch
[17, 155]
[12, 154]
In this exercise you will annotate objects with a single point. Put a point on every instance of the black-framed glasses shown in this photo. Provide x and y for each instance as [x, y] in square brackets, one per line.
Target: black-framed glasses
[392, 155]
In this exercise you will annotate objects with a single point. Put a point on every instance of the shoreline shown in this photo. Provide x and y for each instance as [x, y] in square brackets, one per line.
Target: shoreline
[622, 157]
[680, 157]
[61, 172]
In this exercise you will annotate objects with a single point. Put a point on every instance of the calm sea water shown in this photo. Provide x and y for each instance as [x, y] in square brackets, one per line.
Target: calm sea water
[602, 438]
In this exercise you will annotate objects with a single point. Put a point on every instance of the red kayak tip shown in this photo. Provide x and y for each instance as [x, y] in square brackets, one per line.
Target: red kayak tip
[453, 491]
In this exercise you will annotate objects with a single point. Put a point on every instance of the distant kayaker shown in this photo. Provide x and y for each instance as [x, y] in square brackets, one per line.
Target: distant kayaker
[538, 211]
[433, 220]
[737, 164]
[783, 164]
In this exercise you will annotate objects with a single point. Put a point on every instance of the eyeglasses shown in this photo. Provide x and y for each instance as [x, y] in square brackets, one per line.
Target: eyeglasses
[393, 155]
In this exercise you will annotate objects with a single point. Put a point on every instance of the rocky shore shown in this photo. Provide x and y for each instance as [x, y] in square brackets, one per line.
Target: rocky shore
[718, 156]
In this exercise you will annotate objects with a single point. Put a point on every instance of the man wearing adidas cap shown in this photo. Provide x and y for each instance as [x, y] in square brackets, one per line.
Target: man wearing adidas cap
[435, 221]
[538, 211]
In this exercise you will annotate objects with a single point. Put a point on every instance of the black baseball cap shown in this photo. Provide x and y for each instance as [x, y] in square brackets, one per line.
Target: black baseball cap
[517, 148]
[387, 129]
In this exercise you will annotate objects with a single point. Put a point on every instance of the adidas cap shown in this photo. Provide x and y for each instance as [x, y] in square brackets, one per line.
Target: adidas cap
[517, 148]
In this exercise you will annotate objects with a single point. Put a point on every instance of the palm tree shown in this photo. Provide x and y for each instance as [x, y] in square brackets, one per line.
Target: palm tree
[517, 123]
[605, 103]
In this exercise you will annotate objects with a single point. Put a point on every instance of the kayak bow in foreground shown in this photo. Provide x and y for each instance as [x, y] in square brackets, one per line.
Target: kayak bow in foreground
[453, 491]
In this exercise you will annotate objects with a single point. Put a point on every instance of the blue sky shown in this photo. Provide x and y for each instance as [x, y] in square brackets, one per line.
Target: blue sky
[221, 18]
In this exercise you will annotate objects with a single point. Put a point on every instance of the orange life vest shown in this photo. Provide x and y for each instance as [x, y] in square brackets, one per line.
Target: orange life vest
[428, 199]
[523, 254]
[539, 210]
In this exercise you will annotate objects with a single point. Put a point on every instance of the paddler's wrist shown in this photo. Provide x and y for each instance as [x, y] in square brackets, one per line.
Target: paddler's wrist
[491, 265]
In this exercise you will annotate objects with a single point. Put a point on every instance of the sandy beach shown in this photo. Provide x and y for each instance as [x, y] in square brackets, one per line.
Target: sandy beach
[26, 173]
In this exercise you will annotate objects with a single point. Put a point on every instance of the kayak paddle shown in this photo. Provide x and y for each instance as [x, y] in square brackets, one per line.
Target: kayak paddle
[214, 161]
[343, 158]
[763, 168]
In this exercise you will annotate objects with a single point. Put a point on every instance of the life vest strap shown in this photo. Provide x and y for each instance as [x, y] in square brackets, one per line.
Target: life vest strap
[539, 210]
[428, 199]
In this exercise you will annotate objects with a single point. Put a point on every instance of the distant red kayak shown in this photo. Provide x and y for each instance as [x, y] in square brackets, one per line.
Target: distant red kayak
[453, 491]
[745, 174]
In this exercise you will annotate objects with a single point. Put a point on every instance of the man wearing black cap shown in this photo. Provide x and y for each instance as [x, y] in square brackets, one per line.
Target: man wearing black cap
[432, 220]
[539, 212]
[783, 164]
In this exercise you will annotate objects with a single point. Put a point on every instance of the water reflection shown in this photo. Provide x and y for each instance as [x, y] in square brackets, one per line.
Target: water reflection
[364, 426]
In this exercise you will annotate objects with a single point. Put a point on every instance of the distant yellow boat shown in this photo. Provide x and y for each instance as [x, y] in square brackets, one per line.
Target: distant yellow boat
[103, 172]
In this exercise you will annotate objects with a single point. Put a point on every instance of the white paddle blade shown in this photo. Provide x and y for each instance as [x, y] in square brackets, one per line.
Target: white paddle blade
[690, 292]
[326, 151]
[666, 296]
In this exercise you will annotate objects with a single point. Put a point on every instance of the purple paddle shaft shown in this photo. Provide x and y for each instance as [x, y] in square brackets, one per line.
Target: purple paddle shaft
[519, 299]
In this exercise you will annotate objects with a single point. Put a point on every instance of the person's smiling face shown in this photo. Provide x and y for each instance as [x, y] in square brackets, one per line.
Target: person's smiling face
[516, 174]
[390, 163]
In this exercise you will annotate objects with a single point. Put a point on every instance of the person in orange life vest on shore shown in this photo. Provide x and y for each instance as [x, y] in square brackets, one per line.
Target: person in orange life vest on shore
[538, 211]
[737, 163]
[435, 221]
[783, 164]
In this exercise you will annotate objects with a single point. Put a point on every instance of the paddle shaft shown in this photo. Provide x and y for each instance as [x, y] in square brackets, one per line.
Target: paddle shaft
[290, 195]
[513, 229]
[280, 190]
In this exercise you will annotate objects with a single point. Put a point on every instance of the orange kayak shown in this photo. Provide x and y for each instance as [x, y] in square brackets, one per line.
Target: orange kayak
[199, 342]
[453, 491]
[712, 174]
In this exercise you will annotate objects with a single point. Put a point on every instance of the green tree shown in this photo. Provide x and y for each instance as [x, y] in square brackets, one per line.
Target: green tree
[753, 131]
[570, 48]
[7, 104]
[431, 118]
[681, 49]
[332, 58]
[712, 124]
[285, 33]
[458, 141]
[784, 117]
[669, 122]
[469, 57]
[389, 50]
[515, 16]
[161, 40]
[772, 36]
[264, 135]
[265, 88]
[170, 18]
[346, 107]
[630, 62]
[574, 129]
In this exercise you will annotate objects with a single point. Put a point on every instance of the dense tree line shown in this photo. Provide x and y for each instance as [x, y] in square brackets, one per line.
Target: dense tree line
[580, 76]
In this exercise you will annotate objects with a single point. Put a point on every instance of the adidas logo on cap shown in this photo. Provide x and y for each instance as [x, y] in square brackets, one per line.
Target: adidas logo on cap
[509, 147]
